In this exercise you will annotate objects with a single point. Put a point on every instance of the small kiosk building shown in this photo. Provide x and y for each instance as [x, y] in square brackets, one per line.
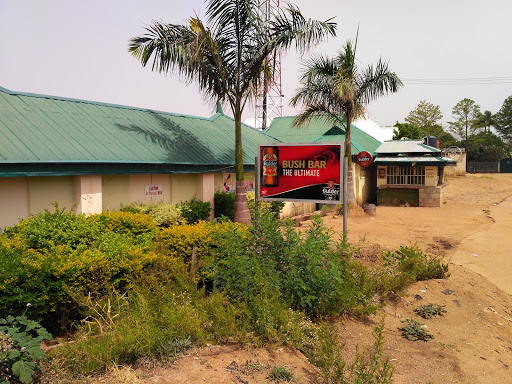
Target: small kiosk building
[410, 173]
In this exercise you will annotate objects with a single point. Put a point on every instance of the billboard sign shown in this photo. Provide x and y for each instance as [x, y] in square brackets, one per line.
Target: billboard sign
[301, 172]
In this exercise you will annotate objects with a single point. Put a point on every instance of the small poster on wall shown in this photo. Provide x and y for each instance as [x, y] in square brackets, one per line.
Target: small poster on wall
[229, 182]
[153, 190]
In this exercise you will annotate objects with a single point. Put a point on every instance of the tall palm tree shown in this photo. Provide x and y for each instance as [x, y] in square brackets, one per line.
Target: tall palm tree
[228, 57]
[486, 121]
[338, 90]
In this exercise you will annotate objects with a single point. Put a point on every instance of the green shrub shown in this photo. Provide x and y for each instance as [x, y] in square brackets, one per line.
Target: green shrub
[278, 374]
[20, 349]
[149, 323]
[415, 331]
[224, 205]
[430, 310]
[164, 214]
[48, 258]
[194, 210]
[47, 230]
[373, 365]
[307, 269]
[412, 261]
[275, 207]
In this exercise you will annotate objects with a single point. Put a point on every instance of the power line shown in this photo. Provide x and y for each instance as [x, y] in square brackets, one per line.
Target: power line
[459, 81]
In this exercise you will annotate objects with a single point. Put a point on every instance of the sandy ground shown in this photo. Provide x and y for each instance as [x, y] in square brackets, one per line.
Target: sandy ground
[472, 341]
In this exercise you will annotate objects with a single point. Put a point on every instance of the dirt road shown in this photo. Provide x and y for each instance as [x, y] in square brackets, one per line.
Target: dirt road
[488, 252]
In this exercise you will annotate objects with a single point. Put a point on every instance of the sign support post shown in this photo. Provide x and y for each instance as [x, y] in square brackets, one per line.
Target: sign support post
[256, 186]
[345, 193]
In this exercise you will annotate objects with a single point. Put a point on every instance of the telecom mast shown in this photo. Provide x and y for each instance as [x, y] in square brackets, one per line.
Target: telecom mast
[269, 100]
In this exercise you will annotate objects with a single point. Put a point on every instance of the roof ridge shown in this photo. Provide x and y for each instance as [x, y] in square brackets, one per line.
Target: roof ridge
[99, 103]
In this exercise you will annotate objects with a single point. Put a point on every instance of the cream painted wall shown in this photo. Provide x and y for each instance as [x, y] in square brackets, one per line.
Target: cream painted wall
[116, 191]
[44, 191]
[218, 183]
[138, 183]
[183, 187]
[88, 194]
[13, 201]
[365, 184]
[431, 176]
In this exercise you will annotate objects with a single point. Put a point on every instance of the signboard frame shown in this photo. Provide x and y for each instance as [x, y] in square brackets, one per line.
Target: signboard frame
[339, 163]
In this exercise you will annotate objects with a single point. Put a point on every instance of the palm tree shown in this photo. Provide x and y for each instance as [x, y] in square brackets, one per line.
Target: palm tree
[228, 57]
[336, 89]
[485, 120]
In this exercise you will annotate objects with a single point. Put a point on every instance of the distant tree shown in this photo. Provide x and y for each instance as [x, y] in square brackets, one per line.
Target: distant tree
[466, 113]
[228, 57]
[425, 116]
[407, 131]
[486, 121]
[486, 146]
[503, 119]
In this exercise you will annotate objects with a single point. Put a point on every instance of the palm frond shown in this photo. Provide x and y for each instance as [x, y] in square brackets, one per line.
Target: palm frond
[319, 111]
[166, 43]
[289, 26]
[377, 82]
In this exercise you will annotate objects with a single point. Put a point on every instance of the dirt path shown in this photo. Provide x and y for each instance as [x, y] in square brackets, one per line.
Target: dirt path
[488, 252]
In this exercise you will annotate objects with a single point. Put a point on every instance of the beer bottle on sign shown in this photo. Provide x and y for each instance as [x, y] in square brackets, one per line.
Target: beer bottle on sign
[269, 176]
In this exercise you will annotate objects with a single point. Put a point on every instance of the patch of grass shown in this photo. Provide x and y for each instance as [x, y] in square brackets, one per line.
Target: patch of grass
[370, 366]
[415, 331]
[251, 367]
[430, 310]
[279, 374]
[414, 262]
[373, 366]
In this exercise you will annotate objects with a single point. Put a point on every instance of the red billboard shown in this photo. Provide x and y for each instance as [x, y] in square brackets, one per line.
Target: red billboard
[301, 172]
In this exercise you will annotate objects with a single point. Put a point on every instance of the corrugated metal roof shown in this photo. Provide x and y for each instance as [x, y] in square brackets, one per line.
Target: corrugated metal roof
[320, 130]
[423, 160]
[405, 146]
[48, 129]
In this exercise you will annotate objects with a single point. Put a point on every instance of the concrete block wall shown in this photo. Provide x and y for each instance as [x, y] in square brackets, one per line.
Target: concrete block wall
[430, 197]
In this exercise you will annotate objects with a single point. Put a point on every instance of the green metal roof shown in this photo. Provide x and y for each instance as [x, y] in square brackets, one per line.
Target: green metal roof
[62, 133]
[320, 130]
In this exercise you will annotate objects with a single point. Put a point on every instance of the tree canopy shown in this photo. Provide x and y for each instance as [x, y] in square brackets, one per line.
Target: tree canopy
[486, 146]
[228, 57]
[407, 131]
[425, 116]
[503, 119]
[466, 113]
[486, 121]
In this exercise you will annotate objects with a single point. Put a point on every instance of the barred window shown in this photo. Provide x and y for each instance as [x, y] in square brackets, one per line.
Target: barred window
[406, 175]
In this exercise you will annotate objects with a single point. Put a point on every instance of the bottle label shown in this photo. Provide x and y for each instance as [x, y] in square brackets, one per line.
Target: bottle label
[270, 164]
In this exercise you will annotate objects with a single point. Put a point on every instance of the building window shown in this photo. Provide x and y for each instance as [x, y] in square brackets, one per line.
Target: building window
[406, 175]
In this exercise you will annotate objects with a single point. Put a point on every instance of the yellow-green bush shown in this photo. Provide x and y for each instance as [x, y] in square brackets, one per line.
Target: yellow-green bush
[179, 241]
[50, 257]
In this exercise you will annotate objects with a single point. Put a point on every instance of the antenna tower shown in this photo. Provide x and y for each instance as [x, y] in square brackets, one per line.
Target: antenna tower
[269, 99]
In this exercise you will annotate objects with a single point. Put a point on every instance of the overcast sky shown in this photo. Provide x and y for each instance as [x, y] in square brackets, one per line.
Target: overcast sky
[78, 49]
